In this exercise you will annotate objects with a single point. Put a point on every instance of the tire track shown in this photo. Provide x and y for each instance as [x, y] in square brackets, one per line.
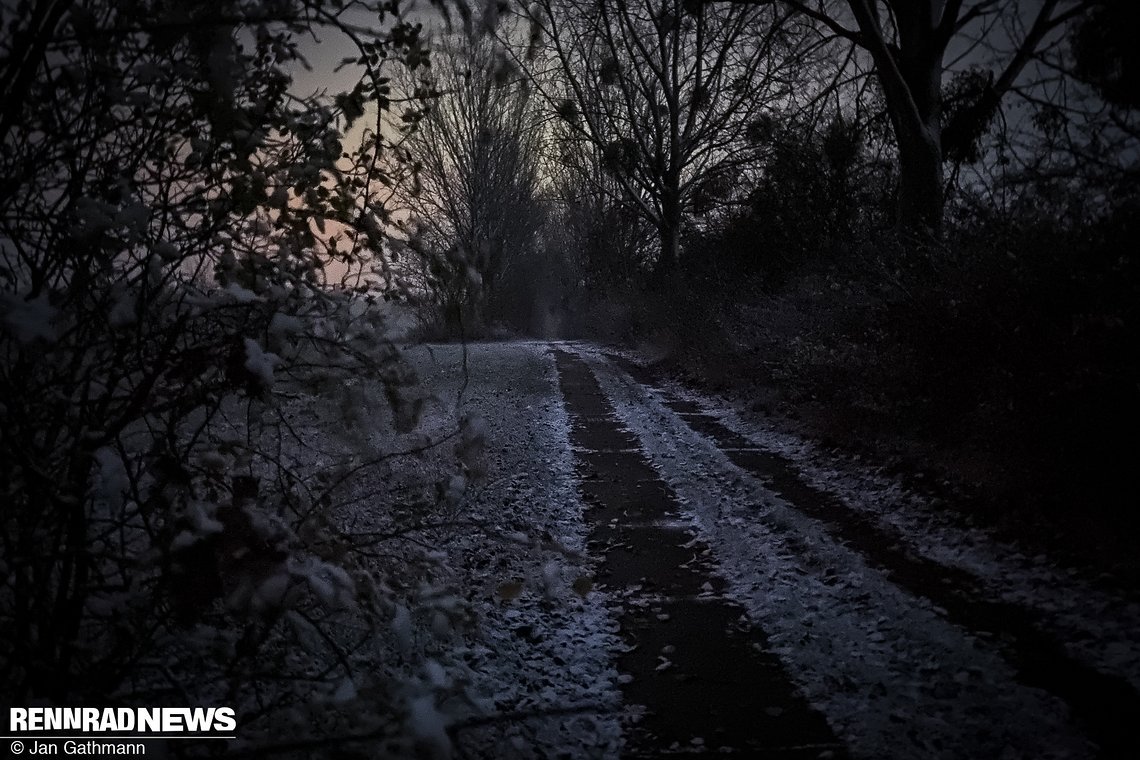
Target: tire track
[1105, 706]
[695, 669]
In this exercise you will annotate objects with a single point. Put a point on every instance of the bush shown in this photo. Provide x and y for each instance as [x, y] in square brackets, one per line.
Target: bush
[816, 198]
[171, 215]
[1000, 361]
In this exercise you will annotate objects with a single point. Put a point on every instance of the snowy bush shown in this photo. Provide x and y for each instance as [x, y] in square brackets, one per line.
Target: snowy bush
[189, 253]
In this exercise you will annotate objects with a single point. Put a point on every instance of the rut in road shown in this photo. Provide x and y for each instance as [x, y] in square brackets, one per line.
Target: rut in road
[1106, 705]
[698, 671]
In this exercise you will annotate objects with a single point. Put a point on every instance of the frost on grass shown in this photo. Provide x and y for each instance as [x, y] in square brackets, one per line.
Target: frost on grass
[533, 659]
[492, 649]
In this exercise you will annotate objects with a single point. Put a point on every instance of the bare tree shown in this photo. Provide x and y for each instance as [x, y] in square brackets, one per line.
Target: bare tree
[909, 42]
[604, 235]
[668, 94]
[476, 151]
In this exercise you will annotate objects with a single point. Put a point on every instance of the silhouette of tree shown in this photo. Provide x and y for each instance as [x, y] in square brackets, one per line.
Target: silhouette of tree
[669, 95]
[477, 153]
[908, 43]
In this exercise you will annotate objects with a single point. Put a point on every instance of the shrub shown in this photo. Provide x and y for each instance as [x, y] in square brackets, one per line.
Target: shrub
[171, 215]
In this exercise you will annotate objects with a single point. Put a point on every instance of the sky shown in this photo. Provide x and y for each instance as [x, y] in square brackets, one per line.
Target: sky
[325, 49]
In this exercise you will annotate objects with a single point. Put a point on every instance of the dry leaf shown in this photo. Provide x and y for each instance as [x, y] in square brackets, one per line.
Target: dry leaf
[510, 590]
[583, 585]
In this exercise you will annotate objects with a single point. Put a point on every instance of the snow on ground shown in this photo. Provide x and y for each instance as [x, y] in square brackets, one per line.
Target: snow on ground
[1101, 628]
[537, 646]
[497, 645]
[495, 654]
[892, 677]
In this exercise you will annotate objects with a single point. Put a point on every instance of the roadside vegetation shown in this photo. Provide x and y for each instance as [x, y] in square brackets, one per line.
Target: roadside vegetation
[199, 388]
[904, 228]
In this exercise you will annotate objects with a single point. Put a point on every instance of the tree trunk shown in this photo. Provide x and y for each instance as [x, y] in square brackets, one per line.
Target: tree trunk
[920, 201]
[667, 260]
[918, 132]
[910, 72]
[914, 103]
[670, 231]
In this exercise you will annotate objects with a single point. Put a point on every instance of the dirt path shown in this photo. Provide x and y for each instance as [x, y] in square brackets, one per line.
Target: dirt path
[1106, 705]
[764, 614]
[694, 665]
[750, 595]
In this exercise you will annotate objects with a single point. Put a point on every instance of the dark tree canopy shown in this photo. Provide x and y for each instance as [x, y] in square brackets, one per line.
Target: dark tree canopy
[1106, 51]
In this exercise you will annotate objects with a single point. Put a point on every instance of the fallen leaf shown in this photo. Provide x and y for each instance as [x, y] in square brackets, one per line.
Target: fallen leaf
[510, 590]
[582, 586]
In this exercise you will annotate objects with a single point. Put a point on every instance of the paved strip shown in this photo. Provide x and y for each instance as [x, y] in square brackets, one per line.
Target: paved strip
[699, 672]
[1106, 706]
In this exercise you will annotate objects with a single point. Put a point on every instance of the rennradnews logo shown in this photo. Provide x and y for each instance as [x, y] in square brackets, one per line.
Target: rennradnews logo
[142, 721]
